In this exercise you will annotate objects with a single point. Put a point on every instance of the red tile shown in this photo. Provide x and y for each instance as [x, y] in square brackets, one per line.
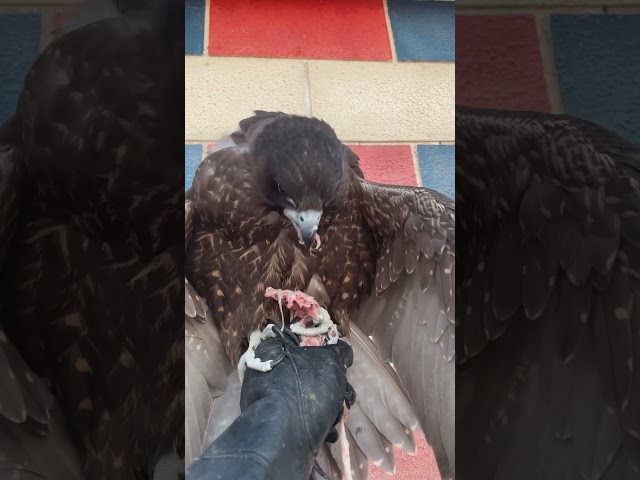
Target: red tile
[349, 29]
[61, 19]
[421, 466]
[390, 164]
[498, 63]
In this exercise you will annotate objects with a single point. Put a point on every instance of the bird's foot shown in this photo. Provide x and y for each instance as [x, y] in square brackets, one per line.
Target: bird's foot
[326, 326]
[249, 359]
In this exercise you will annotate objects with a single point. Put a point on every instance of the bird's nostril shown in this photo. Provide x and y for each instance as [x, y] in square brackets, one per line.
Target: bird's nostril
[302, 219]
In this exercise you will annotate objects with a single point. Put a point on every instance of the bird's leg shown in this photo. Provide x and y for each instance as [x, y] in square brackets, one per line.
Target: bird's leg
[323, 327]
[344, 445]
[249, 359]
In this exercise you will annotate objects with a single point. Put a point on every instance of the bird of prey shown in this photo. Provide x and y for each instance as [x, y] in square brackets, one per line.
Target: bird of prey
[384, 272]
[548, 324]
[91, 254]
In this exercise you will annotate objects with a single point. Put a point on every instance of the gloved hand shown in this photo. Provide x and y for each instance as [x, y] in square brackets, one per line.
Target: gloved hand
[287, 413]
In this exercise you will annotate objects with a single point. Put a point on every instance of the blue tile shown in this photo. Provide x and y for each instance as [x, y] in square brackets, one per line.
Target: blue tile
[598, 64]
[423, 31]
[192, 158]
[194, 27]
[437, 168]
[19, 44]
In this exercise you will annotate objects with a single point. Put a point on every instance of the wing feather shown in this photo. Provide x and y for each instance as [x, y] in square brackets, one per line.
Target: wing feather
[550, 211]
[410, 314]
[207, 367]
[384, 415]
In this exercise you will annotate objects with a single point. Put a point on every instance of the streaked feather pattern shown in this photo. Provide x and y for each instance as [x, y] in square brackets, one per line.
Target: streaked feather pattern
[92, 272]
[549, 322]
[385, 270]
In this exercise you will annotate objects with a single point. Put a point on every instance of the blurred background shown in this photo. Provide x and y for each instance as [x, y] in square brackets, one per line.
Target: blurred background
[580, 57]
[24, 31]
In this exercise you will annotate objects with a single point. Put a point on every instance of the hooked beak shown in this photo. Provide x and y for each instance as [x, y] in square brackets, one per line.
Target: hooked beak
[306, 224]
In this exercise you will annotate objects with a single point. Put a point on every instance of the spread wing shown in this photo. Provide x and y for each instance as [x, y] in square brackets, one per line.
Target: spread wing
[383, 416]
[549, 323]
[410, 313]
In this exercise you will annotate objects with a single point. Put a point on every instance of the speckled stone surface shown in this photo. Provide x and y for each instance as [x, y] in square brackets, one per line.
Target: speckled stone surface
[20, 42]
[350, 29]
[498, 63]
[423, 31]
[385, 102]
[221, 91]
[437, 167]
[598, 64]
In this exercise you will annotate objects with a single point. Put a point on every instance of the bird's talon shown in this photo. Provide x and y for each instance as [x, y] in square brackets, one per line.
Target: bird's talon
[249, 359]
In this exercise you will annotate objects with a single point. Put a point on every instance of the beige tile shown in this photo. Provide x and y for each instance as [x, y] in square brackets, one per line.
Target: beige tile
[220, 91]
[379, 101]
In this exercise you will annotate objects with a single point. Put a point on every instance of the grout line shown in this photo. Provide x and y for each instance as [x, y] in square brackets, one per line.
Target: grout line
[207, 15]
[545, 44]
[350, 60]
[416, 164]
[392, 43]
[307, 81]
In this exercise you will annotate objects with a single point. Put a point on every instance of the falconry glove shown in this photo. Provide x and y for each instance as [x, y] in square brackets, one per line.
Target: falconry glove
[287, 413]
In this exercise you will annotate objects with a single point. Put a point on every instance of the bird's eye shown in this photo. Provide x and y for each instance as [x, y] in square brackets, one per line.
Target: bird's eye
[280, 190]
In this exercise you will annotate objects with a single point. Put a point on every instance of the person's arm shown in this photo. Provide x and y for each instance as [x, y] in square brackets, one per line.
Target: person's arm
[287, 414]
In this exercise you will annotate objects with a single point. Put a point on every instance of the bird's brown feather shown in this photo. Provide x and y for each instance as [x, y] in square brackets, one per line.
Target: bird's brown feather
[238, 249]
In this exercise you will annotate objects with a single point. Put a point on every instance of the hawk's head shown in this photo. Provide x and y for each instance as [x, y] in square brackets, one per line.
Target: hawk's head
[306, 169]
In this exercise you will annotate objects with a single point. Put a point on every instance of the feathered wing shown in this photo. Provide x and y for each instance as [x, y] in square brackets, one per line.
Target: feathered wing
[383, 416]
[210, 380]
[29, 419]
[410, 314]
[549, 322]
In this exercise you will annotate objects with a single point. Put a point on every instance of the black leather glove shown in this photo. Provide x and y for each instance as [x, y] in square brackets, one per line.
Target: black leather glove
[287, 413]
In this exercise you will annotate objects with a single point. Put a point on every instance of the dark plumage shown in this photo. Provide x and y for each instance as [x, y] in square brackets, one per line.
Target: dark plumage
[91, 249]
[385, 266]
[548, 329]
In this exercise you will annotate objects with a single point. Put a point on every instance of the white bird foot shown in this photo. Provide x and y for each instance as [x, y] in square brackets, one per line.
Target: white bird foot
[324, 326]
[249, 359]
